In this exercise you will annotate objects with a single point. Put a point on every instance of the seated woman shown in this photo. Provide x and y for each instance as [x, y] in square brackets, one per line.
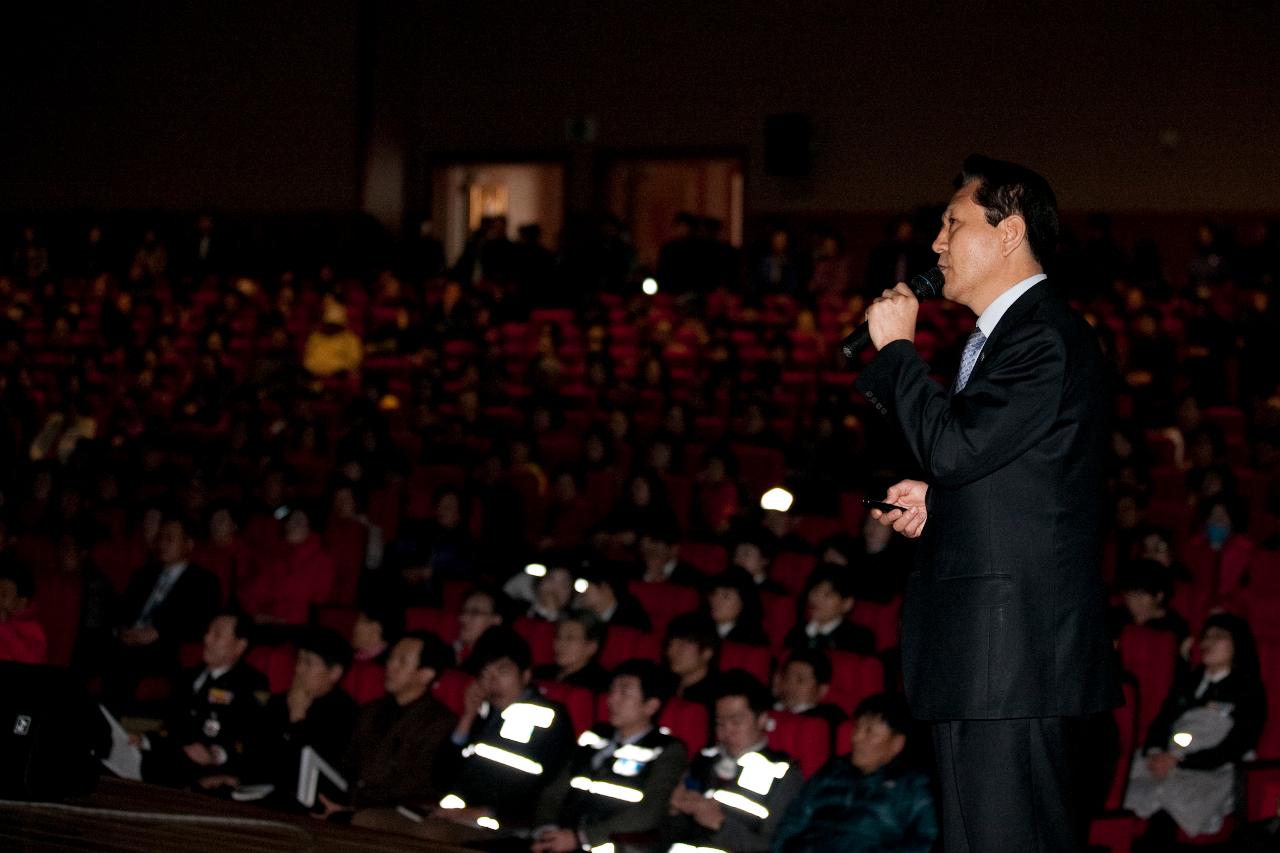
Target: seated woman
[1209, 724]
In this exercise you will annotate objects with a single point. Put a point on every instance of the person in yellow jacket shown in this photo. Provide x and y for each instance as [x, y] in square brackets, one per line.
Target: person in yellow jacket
[333, 349]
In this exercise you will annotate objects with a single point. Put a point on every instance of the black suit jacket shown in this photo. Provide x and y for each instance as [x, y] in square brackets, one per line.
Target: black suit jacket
[186, 610]
[1004, 614]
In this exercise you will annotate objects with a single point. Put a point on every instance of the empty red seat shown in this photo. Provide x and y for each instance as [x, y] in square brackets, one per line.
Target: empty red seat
[705, 557]
[339, 617]
[686, 720]
[365, 681]
[276, 663]
[442, 623]
[854, 677]
[1262, 784]
[623, 643]
[451, 688]
[779, 616]
[540, 635]
[1151, 656]
[806, 739]
[579, 701]
[756, 660]
[882, 618]
[664, 601]
[792, 570]
[345, 539]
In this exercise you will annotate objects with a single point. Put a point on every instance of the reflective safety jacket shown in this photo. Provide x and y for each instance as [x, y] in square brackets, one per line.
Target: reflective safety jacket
[754, 791]
[610, 791]
[511, 756]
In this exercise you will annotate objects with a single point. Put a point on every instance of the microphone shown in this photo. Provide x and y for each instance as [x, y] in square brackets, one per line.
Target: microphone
[925, 285]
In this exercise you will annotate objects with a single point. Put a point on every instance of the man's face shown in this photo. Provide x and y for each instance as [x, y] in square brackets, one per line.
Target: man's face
[313, 676]
[571, 647]
[628, 708]
[797, 686]
[402, 666]
[10, 601]
[737, 726]
[172, 543]
[221, 645]
[597, 598]
[748, 556]
[684, 656]
[826, 605]
[968, 247]
[502, 682]
[476, 617]
[366, 634]
[874, 743]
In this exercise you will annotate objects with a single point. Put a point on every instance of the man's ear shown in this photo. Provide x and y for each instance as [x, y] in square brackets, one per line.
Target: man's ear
[1013, 234]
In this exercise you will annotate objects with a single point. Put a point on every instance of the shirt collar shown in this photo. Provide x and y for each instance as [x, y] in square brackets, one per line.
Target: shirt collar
[988, 320]
[813, 629]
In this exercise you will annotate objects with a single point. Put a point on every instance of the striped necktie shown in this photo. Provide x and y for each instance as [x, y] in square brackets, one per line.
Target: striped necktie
[970, 358]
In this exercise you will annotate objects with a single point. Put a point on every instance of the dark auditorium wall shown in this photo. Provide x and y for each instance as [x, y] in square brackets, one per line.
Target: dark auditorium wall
[898, 91]
[238, 106]
[256, 106]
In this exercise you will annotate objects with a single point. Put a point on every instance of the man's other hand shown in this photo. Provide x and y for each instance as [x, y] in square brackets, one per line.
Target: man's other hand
[909, 494]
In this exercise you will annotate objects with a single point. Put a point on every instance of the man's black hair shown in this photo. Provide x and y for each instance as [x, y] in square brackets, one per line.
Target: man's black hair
[243, 628]
[840, 578]
[390, 618]
[594, 629]
[815, 660]
[328, 644]
[697, 628]
[497, 643]
[1006, 189]
[655, 681]
[739, 682]
[889, 707]
[22, 578]
[434, 653]
[1245, 659]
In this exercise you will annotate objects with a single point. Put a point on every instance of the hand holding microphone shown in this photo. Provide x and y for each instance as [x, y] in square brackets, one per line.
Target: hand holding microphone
[892, 316]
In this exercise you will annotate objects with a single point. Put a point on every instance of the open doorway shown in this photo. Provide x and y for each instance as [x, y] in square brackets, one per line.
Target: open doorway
[647, 193]
[465, 194]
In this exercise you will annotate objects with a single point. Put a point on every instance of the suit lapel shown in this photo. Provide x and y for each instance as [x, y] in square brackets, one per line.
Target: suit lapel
[1017, 311]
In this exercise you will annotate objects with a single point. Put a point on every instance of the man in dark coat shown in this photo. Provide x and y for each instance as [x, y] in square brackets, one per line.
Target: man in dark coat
[1004, 644]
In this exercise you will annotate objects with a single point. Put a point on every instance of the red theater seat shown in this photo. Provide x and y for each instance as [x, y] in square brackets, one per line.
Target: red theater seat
[687, 721]
[623, 643]
[276, 663]
[365, 681]
[579, 701]
[756, 660]
[705, 557]
[442, 623]
[844, 737]
[1151, 656]
[805, 739]
[451, 688]
[540, 635]
[792, 570]
[664, 601]
[854, 677]
[882, 618]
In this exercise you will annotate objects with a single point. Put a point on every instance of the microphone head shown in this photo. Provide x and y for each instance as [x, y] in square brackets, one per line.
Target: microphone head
[927, 285]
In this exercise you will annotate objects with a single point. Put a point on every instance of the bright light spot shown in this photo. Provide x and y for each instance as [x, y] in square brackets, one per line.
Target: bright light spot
[649, 286]
[1182, 739]
[452, 801]
[777, 499]
[536, 570]
[580, 585]
[487, 823]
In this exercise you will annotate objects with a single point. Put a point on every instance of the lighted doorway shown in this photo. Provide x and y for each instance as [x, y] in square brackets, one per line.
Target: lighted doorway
[525, 193]
[647, 193]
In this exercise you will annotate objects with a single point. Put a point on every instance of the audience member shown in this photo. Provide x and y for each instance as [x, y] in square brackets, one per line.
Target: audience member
[690, 650]
[736, 792]
[733, 603]
[22, 637]
[617, 784]
[826, 626]
[870, 800]
[579, 638]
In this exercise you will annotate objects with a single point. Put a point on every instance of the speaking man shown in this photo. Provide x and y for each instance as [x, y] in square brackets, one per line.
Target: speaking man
[1003, 640]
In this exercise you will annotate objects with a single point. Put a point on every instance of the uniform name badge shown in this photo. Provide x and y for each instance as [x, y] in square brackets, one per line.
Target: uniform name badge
[219, 696]
[211, 727]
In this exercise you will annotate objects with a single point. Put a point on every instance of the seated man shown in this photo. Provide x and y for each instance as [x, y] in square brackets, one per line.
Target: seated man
[830, 600]
[392, 756]
[617, 784]
[603, 591]
[753, 553]
[802, 683]
[660, 558]
[167, 603]
[314, 712]
[579, 637]
[868, 800]
[217, 710]
[691, 647]
[513, 741]
[480, 611]
[22, 637]
[736, 791]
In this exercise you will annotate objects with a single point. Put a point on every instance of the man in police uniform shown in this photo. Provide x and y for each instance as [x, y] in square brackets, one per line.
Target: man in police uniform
[513, 741]
[617, 784]
[217, 710]
[736, 791]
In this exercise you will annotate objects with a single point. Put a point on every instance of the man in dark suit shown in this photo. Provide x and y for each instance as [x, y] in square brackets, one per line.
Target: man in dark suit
[168, 602]
[1003, 641]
